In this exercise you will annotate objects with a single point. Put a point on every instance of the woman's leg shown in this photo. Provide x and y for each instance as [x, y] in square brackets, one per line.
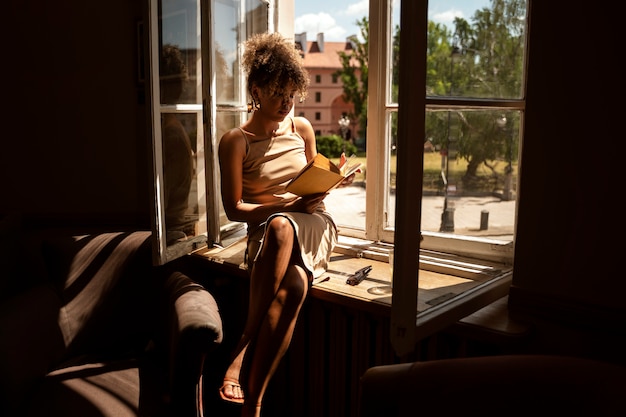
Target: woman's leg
[278, 289]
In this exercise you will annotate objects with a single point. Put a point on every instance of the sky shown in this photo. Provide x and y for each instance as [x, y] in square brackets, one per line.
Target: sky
[336, 18]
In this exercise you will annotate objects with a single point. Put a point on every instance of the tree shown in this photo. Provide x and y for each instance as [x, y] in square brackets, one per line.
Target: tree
[353, 75]
[479, 58]
[492, 49]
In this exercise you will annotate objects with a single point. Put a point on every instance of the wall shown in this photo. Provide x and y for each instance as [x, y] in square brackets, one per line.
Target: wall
[77, 151]
[568, 250]
[75, 148]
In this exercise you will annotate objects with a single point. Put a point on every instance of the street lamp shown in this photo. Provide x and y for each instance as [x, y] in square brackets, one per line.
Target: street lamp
[344, 122]
[447, 216]
[507, 194]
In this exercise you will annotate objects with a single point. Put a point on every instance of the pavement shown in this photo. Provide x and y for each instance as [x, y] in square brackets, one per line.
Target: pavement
[496, 216]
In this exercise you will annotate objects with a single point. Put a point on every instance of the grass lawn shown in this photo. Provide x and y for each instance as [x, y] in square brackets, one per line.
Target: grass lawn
[486, 181]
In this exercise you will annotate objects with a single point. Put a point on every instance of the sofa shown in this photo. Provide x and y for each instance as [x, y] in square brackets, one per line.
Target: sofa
[89, 327]
[514, 385]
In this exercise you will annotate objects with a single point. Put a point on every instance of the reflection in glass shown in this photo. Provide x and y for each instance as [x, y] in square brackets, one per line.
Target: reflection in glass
[234, 22]
[178, 169]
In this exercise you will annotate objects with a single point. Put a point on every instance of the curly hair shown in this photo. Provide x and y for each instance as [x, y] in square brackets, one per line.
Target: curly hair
[272, 63]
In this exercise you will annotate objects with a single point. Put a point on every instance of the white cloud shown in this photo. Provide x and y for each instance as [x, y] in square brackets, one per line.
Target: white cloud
[314, 23]
[359, 9]
[447, 17]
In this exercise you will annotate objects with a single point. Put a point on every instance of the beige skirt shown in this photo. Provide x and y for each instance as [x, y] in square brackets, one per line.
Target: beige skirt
[316, 235]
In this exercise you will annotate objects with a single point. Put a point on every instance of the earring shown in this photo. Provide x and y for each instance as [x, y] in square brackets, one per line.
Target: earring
[253, 106]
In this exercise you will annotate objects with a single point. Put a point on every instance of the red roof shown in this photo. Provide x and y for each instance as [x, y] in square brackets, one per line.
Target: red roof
[313, 58]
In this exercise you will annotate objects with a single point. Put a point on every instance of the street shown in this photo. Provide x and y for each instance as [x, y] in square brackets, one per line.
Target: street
[347, 205]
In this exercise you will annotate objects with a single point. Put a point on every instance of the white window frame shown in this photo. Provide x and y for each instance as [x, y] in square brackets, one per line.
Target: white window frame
[211, 229]
[163, 253]
[411, 118]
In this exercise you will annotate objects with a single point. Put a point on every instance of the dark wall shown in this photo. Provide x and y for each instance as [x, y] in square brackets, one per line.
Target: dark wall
[568, 247]
[77, 151]
[75, 148]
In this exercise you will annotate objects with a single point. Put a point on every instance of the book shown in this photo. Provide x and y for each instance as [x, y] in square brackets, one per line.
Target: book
[320, 175]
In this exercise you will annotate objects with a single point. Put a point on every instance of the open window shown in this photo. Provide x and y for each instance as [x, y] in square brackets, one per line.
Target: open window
[197, 92]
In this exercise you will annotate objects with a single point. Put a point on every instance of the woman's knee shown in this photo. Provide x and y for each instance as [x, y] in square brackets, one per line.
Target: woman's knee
[295, 285]
[279, 230]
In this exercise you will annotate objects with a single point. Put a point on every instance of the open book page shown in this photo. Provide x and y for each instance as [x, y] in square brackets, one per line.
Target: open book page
[320, 175]
[350, 167]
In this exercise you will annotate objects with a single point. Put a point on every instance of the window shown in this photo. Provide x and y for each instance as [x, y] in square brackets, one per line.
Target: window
[209, 99]
[178, 138]
[318, 78]
[318, 97]
[473, 108]
[457, 142]
[460, 141]
[471, 113]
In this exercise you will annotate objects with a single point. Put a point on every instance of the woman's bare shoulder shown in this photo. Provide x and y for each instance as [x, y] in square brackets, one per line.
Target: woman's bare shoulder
[232, 139]
[302, 122]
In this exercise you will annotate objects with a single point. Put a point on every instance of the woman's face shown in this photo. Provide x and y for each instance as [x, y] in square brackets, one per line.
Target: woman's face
[277, 105]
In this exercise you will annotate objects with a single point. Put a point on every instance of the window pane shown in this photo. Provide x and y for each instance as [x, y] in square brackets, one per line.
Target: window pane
[395, 49]
[225, 121]
[234, 22]
[479, 53]
[226, 55]
[392, 152]
[183, 192]
[470, 172]
[180, 53]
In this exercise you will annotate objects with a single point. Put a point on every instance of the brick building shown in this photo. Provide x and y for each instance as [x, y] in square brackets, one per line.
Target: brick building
[325, 105]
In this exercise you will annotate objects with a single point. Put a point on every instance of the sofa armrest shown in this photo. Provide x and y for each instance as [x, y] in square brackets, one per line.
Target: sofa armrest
[195, 329]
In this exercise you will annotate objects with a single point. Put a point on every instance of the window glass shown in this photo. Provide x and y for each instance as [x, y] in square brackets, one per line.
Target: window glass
[186, 216]
[225, 52]
[180, 207]
[474, 112]
[234, 22]
[473, 117]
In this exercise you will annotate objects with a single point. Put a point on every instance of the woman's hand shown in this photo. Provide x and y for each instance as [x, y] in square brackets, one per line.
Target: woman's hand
[350, 178]
[307, 203]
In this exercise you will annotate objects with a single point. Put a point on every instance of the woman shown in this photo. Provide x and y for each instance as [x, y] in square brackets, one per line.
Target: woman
[290, 238]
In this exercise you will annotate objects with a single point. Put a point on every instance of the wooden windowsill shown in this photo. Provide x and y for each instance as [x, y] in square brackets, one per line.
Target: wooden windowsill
[443, 298]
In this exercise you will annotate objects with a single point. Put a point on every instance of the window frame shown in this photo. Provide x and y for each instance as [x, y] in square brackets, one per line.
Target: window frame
[411, 117]
[376, 227]
[162, 252]
[411, 113]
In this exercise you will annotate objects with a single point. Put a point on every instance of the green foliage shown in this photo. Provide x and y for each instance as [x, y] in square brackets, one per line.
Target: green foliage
[482, 57]
[333, 145]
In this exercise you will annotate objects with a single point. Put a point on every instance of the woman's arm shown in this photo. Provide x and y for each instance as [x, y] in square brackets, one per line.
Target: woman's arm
[305, 129]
